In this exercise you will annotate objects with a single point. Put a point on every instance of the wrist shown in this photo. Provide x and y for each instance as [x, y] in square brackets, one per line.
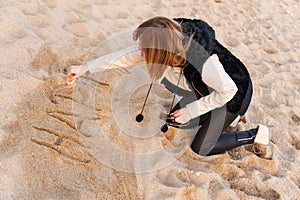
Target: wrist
[187, 113]
[192, 109]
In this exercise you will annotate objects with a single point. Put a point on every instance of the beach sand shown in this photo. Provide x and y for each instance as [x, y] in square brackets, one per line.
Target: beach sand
[81, 141]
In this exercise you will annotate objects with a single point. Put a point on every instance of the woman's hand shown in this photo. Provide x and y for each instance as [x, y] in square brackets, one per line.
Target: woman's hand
[181, 116]
[75, 71]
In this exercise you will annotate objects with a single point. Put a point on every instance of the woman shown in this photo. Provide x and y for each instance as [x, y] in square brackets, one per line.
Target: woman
[215, 86]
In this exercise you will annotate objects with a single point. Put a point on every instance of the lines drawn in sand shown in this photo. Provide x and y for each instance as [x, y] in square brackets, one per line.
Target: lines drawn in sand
[68, 142]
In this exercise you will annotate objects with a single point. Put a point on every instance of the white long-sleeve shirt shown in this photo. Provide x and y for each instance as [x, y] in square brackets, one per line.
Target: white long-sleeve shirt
[213, 75]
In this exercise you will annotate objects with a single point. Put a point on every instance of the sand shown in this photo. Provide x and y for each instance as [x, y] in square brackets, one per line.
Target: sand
[81, 141]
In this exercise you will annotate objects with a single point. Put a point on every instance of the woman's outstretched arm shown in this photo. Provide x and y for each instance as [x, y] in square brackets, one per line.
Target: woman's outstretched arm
[119, 59]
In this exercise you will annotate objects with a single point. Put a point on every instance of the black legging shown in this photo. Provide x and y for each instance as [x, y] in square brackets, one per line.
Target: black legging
[210, 138]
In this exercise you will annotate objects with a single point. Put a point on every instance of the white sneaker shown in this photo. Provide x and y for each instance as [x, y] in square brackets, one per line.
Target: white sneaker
[263, 135]
[261, 145]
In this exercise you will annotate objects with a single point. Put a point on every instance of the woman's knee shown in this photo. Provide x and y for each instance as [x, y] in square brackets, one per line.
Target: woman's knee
[198, 150]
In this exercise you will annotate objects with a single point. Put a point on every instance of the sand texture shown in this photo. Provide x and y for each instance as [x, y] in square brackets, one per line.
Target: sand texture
[81, 141]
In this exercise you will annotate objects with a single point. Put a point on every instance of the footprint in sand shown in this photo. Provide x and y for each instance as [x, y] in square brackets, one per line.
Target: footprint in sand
[192, 177]
[254, 188]
[123, 15]
[77, 29]
[46, 60]
[29, 8]
[228, 171]
[295, 141]
[39, 21]
[170, 179]
[232, 42]
[51, 3]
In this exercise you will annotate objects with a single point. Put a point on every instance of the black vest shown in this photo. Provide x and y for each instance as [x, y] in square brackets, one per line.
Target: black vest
[202, 47]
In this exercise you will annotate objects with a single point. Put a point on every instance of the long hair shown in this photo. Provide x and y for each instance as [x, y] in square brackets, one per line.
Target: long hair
[161, 41]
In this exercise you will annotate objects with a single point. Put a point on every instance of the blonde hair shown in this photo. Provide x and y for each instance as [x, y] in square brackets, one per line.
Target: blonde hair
[161, 42]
